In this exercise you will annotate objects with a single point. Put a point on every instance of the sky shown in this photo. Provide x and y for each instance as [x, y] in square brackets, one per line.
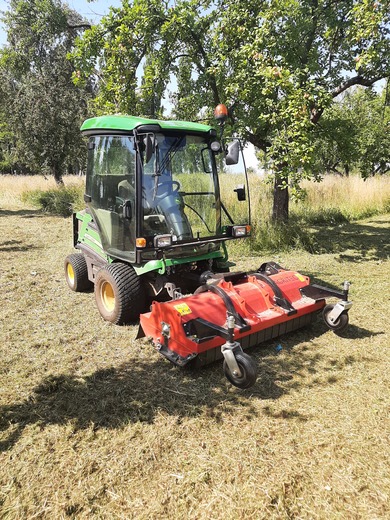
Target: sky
[93, 11]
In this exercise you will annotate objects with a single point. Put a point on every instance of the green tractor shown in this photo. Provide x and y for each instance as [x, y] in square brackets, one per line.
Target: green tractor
[162, 198]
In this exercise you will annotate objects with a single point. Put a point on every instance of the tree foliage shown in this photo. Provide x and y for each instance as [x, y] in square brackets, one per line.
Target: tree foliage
[276, 63]
[41, 107]
[354, 134]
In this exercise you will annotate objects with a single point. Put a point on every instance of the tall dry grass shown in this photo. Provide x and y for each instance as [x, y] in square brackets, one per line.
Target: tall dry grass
[349, 198]
[14, 188]
[334, 201]
[354, 197]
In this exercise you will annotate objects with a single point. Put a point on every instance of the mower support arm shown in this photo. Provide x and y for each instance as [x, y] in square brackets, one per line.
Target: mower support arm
[318, 292]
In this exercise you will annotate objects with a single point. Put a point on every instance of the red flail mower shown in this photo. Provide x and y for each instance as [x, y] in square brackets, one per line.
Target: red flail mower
[234, 311]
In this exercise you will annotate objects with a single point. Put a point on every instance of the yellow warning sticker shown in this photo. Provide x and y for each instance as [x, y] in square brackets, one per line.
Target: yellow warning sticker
[182, 309]
[300, 277]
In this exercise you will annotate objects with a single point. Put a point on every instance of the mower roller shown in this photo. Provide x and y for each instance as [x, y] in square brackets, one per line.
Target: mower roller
[152, 244]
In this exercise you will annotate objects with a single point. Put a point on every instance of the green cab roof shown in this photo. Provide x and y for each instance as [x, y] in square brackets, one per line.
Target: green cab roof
[129, 123]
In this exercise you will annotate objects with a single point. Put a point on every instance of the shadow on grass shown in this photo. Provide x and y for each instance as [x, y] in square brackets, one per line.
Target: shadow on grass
[26, 213]
[355, 242]
[16, 246]
[351, 332]
[355, 332]
[111, 398]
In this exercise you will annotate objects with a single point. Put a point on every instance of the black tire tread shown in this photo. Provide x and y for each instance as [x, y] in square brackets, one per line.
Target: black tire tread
[339, 325]
[248, 366]
[80, 269]
[128, 292]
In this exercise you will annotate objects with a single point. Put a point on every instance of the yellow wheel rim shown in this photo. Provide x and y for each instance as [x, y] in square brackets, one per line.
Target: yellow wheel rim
[70, 273]
[108, 296]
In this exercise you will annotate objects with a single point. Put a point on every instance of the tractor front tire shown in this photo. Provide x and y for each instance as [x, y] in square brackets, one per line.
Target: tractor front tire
[247, 368]
[76, 273]
[119, 294]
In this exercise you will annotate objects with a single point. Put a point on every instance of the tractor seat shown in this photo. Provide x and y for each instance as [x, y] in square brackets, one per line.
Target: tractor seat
[126, 190]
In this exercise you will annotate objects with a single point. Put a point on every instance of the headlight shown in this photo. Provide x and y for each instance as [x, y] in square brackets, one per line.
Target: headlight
[241, 231]
[162, 241]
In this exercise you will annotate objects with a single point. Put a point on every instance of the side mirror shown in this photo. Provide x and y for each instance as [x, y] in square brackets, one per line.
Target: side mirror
[240, 190]
[149, 147]
[233, 153]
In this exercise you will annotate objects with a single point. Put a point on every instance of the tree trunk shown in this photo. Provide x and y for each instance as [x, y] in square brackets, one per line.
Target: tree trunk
[56, 172]
[280, 205]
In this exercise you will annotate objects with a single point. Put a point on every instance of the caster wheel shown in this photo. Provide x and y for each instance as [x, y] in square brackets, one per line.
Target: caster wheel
[248, 370]
[340, 324]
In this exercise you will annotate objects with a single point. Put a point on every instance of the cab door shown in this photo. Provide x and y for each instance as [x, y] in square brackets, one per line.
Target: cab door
[110, 186]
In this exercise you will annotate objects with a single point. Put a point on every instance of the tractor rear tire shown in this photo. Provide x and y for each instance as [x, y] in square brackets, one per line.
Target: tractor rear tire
[248, 370]
[76, 273]
[119, 294]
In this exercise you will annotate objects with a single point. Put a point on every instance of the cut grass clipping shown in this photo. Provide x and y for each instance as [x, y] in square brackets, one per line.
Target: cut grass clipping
[96, 424]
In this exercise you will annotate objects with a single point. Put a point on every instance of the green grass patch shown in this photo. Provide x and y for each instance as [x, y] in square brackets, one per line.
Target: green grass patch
[283, 237]
[321, 217]
[62, 201]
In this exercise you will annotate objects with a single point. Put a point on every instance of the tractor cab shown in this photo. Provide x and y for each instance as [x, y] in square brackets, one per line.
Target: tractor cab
[163, 190]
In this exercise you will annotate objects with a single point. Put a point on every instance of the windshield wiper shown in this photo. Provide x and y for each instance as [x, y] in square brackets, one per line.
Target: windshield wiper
[167, 158]
[157, 172]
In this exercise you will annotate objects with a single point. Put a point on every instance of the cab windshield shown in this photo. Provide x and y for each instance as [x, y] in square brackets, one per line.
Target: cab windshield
[178, 191]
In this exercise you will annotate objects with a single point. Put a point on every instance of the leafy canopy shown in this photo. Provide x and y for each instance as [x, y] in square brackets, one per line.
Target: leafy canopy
[276, 63]
[41, 107]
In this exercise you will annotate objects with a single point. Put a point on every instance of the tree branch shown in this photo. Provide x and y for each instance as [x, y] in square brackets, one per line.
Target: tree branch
[257, 141]
[316, 113]
[207, 64]
[80, 26]
[356, 80]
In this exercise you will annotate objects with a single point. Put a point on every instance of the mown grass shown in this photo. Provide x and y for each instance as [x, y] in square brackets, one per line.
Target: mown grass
[96, 424]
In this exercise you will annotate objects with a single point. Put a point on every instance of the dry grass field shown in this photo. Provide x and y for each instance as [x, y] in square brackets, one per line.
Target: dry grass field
[96, 424]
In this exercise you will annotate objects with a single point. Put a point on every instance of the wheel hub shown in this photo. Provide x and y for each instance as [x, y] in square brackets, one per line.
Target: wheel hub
[70, 273]
[108, 296]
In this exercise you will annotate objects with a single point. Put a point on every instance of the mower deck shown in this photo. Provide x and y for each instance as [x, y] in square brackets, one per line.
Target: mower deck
[264, 306]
